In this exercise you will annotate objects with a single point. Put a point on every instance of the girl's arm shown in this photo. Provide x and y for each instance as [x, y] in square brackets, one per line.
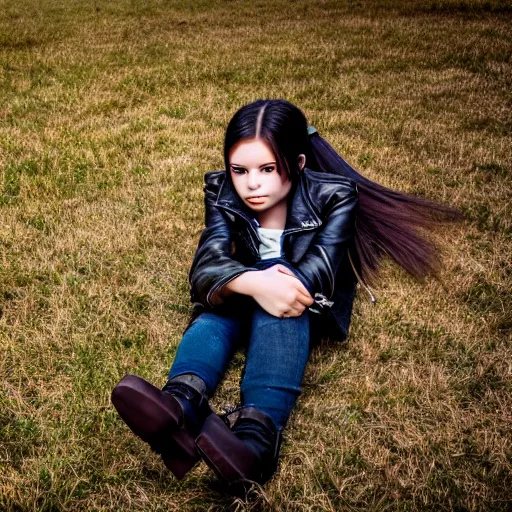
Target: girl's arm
[213, 267]
[276, 289]
[214, 274]
[318, 268]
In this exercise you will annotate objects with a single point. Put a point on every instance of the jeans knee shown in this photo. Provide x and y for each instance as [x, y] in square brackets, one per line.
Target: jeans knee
[262, 317]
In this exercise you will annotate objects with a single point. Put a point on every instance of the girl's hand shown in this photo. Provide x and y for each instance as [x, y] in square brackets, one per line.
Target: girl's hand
[284, 295]
[275, 289]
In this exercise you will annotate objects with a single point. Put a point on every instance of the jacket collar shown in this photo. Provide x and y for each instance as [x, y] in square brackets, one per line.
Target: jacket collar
[229, 199]
[302, 215]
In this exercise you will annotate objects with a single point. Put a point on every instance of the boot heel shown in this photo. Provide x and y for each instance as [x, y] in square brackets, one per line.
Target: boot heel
[179, 463]
[218, 447]
[186, 443]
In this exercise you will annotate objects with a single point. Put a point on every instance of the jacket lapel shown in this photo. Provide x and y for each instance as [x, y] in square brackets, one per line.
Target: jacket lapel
[229, 201]
[302, 216]
[302, 221]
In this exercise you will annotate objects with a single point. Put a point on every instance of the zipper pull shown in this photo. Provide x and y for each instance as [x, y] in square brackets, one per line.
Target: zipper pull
[361, 282]
[322, 301]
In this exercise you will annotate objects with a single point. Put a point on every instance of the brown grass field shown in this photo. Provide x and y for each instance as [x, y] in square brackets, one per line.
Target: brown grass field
[111, 112]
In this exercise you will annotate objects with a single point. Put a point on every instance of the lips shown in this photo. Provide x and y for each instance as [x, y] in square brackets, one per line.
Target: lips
[256, 200]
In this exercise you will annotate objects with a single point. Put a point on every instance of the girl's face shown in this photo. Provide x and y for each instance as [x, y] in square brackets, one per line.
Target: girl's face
[253, 169]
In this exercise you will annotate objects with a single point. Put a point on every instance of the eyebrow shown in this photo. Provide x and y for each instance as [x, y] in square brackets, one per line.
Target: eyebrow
[263, 165]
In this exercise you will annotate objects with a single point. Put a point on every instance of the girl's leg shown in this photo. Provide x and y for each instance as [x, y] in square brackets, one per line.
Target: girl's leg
[170, 419]
[206, 348]
[276, 359]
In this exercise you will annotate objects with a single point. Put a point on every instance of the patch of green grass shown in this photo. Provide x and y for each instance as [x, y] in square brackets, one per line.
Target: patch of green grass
[484, 297]
[493, 169]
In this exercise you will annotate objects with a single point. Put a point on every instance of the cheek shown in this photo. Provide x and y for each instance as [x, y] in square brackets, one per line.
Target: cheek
[237, 181]
[285, 185]
[278, 184]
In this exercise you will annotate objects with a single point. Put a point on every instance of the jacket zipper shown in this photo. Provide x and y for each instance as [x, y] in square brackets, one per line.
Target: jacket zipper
[249, 223]
[328, 264]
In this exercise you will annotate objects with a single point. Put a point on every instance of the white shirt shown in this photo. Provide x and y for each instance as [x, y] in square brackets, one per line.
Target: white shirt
[270, 246]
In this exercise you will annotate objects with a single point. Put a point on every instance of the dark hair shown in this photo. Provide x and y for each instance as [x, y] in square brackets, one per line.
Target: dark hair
[280, 124]
[388, 222]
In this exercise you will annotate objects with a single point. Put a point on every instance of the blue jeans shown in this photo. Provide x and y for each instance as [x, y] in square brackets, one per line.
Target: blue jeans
[277, 353]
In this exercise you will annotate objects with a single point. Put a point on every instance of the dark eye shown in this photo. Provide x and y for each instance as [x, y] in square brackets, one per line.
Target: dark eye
[237, 170]
[270, 168]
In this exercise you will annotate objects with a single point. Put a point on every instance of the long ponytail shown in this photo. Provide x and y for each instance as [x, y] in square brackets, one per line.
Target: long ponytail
[388, 222]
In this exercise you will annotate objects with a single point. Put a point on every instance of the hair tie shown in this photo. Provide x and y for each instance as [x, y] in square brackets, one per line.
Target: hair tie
[312, 130]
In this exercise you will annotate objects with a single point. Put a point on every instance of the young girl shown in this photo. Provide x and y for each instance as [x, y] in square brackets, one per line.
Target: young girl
[290, 229]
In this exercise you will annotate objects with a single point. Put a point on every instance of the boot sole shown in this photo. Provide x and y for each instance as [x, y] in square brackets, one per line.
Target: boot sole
[218, 446]
[156, 418]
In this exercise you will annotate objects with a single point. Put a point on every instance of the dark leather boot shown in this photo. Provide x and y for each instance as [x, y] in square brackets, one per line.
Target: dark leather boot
[168, 420]
[246, 452]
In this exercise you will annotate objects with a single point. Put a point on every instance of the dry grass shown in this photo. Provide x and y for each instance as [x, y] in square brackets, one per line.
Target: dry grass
[110, 114]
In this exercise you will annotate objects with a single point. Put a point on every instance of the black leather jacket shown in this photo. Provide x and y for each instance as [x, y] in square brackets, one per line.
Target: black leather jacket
[318, 231]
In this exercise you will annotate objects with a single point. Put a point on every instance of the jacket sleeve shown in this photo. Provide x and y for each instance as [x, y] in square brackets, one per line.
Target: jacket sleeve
[318, 268]
[212, 266]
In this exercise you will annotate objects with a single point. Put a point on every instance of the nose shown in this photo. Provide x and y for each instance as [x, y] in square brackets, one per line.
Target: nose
[253, 181]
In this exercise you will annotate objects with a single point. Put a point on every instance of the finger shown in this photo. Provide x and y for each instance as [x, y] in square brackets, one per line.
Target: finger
[290, 313]
[285, 270]
[294, 296]
[296, 310]
[296, 281]
[306, 300]
[302, 289]
[299, 308]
